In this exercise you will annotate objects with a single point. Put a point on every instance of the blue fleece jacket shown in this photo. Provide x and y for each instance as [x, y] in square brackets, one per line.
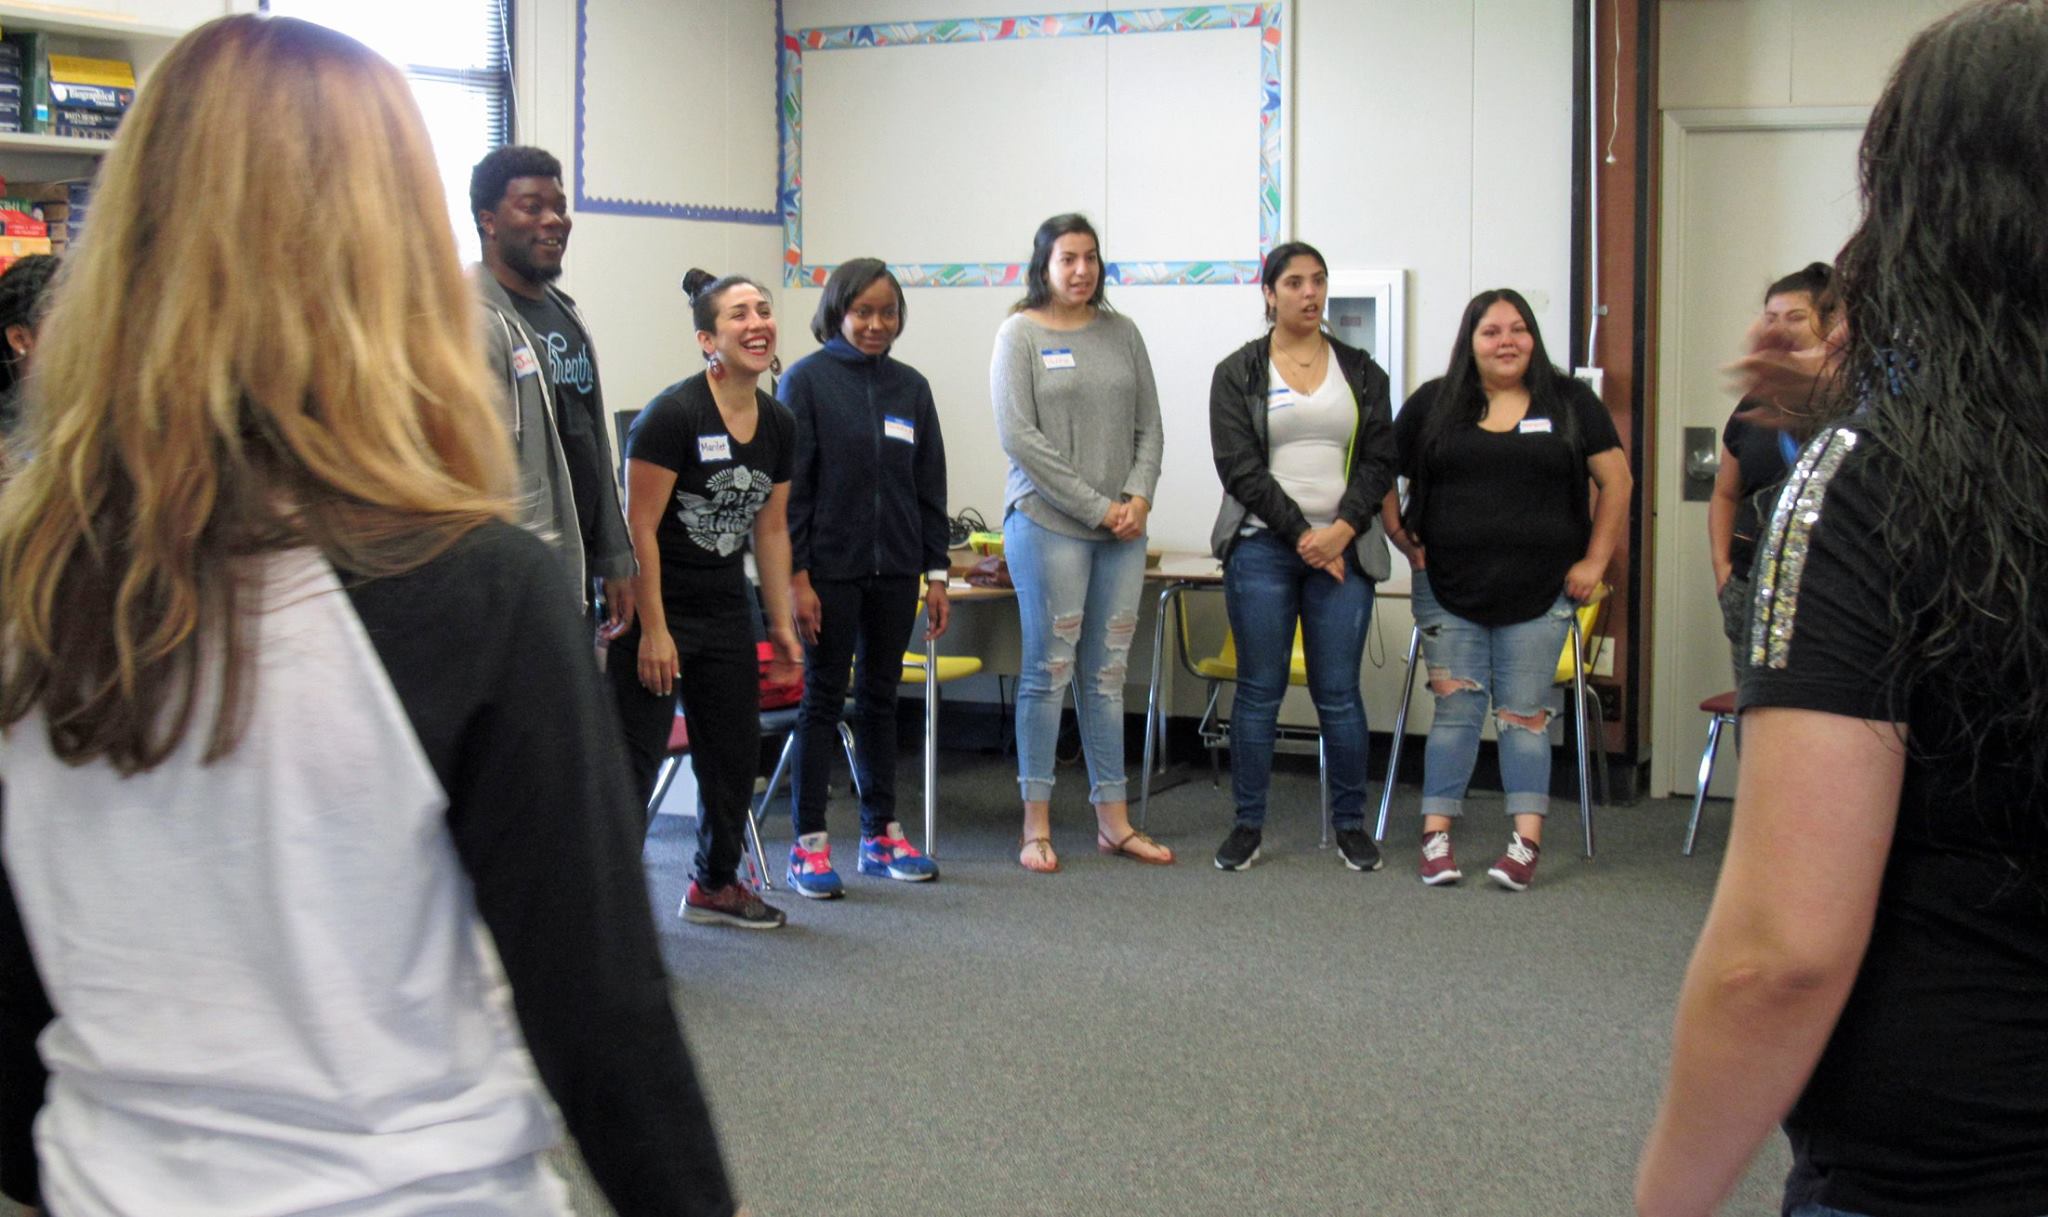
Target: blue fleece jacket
[868, 495]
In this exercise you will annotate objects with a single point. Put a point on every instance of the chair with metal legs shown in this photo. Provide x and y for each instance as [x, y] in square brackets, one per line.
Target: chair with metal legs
[1573, 667]
[672, 763]
[1720, 710]
[1214, 729]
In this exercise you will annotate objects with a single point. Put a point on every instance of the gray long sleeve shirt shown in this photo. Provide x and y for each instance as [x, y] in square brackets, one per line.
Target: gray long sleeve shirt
[1078, 415]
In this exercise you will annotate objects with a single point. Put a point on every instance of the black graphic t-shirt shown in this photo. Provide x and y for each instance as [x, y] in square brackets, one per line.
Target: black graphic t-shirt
[721, 483]
[564, 358]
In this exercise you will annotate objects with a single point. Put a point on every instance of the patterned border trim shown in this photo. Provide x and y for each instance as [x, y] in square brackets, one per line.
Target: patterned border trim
[1782, 563]
[606, 205]
[1264, 17]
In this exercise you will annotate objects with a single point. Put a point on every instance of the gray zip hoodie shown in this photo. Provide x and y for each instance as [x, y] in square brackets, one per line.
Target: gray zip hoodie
[547, 503]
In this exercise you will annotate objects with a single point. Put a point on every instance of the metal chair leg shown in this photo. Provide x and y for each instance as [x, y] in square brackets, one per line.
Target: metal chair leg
[1699, 794]
[1211, 736]
[663, 779]
[1400, 731]
[1600, 744]
[1155, 725]
[757, 814]
[1323, 781]
[852, 766]
[931, 747]
[1579, 712]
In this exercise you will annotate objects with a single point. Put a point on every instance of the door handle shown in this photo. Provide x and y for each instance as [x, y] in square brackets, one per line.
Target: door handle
[1702, 463]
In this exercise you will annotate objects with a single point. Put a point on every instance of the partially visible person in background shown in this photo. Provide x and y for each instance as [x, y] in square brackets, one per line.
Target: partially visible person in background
[304, 756]
[24, 302]
[539, 349]
[1873, 969]
[867, 526]
[1755, 457]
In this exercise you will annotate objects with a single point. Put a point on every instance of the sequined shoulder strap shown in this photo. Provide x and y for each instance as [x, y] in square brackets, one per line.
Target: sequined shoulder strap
[1781, 561]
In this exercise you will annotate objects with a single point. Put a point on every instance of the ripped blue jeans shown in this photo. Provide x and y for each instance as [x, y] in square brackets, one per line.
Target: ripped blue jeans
[1512, 666]
[1077, 609]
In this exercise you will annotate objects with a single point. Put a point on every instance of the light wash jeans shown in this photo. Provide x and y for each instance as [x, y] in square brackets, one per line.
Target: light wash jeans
[1513, 666]
[1077, 604]
[1267, 587]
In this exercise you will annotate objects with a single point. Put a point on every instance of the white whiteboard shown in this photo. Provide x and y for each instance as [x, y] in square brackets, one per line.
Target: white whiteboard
[1162, 126]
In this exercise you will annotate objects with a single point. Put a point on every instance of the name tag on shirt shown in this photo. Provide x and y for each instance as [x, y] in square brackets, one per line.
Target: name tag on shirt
[1280, 398]
[524, 364]
[1534, 426]
[714, 447]
[1056, 358]
[898, 429]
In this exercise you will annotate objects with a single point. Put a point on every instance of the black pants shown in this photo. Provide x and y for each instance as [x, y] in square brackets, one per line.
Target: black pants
[869, 619]
[710, 616]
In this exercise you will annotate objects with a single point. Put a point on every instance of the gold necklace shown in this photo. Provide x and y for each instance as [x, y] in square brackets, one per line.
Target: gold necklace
[1303, 364]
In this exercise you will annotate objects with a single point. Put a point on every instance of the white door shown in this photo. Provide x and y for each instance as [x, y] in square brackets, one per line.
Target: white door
[1749, 196]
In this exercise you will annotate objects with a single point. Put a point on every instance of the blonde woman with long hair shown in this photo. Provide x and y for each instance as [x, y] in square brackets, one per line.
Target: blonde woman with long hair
[294, 719]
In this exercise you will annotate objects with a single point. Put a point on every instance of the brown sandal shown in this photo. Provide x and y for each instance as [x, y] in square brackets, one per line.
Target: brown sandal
[1040, 860]
[1122, 849]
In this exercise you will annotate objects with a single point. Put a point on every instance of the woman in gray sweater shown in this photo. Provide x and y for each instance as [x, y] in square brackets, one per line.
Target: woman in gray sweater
[1079, 418]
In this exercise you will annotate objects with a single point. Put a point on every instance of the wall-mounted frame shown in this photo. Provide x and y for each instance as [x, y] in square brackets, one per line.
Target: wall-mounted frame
[801, 45]
[1369, 310]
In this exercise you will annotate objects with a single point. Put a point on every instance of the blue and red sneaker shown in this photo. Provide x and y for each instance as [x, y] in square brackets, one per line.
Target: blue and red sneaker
[891, 854]
[810, 871]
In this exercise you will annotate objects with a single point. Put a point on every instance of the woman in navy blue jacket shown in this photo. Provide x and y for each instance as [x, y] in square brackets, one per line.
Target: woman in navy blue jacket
[867, 520]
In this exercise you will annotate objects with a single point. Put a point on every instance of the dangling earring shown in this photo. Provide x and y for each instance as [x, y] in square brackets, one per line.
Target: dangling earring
[715, 366]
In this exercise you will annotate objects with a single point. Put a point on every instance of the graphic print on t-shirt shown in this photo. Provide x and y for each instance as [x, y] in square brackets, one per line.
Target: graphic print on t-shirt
[721, 519]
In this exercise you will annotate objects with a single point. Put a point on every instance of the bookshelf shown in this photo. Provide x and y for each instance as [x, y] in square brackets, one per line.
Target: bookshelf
[75, 29]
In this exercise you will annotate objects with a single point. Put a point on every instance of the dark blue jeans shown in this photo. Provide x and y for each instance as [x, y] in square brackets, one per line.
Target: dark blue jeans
[1267, 587]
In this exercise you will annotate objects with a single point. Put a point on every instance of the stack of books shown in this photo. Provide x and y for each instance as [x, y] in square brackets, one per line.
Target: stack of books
[88, 97]
[10, 87]
[51, 204]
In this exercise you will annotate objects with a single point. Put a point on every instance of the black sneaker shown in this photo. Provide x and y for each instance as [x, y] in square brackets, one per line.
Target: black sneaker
[1239, 850]
[734, 904]
[1358, 848]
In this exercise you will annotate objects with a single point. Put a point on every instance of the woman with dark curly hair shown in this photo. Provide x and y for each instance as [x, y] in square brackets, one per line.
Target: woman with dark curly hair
[1874, 967]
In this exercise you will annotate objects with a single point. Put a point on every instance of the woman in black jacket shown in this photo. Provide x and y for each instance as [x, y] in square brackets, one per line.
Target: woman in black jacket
[866, 523]
[1303, 439]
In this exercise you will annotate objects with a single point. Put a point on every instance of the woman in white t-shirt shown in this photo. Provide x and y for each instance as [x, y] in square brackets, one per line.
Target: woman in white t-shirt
[1303, 438]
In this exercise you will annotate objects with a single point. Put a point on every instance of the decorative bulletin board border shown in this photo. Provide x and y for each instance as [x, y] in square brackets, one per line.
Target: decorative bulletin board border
[601, 204]
[799, 43]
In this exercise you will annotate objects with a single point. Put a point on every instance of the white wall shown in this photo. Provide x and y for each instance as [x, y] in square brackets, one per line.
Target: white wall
[1748, 53]
[626, 271]
[1431, 137]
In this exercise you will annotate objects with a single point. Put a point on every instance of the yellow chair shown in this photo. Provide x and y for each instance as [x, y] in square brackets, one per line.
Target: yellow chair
[1574, 664]
[1214, 730]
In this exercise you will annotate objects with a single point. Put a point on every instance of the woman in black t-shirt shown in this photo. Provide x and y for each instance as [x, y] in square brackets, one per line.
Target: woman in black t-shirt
[1755, 458]
[1874, 971]
[1498, 453]
[707, 474]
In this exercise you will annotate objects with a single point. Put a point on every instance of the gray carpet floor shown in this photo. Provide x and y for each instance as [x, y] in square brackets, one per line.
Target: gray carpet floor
[1121, 1039]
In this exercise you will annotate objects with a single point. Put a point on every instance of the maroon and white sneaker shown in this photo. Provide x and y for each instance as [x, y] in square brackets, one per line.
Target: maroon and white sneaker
[1516, 869]
[734, 904]
[1438, 866]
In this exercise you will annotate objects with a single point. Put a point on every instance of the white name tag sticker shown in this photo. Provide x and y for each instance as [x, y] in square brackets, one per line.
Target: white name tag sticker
[1056, 358]
[1280, 399]
[524, 364]
[714, 447]
[1534, 426]
[898, 429]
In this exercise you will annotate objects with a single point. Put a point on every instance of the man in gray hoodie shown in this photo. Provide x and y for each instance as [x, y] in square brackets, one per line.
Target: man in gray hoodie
[539, 350]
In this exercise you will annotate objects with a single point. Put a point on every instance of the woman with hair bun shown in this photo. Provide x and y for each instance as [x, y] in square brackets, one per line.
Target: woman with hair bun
[707, 475]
